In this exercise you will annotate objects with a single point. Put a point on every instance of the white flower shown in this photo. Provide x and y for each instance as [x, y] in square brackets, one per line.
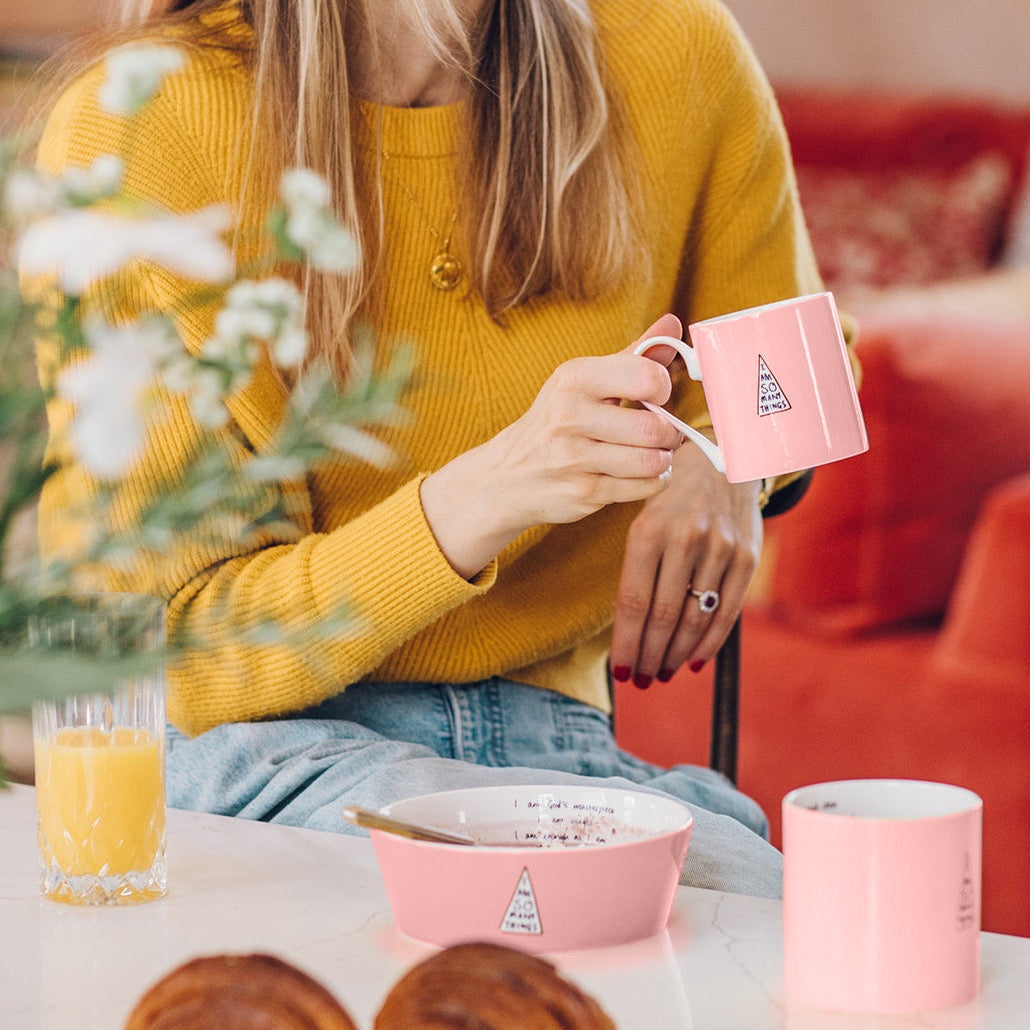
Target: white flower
[270, 310]
[163, 339]
[206, 400]
[106, 389]
[234, 323]
[271, 292]
[311, 225]
[135, 73]
[102, 179]
[82, 246]
[301, 187]
[31, 193]
[304, 224]
[28, 194]
[334, 250]
[177, 373]
[290, 346]
[106, 174]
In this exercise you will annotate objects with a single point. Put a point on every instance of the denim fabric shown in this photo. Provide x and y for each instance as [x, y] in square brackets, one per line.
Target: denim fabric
[379, 742]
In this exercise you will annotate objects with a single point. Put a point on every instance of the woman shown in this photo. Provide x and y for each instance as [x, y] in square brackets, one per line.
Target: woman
[535, 184]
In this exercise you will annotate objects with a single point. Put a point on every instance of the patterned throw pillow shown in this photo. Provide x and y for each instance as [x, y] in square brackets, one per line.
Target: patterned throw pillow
[904, 226]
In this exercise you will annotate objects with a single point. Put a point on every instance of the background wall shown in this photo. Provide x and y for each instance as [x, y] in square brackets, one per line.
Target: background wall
[966, 46]
[961, 46]
[34, 26]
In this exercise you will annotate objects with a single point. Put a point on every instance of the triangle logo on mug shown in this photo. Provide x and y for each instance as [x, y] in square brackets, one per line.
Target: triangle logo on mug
[771, 397]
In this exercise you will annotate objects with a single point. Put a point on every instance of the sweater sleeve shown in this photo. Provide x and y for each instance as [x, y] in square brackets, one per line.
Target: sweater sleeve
[383, 569]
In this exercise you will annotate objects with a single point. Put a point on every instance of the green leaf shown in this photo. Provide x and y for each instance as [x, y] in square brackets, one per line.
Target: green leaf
[285, 248]
[23, 490]
[28, 675]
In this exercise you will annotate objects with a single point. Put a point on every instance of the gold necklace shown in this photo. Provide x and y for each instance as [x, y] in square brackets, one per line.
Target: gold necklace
[445, 270]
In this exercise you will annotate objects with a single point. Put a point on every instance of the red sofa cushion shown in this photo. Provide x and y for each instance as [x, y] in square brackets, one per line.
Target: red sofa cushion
[987, 629]
[880, 537]
[905, 189]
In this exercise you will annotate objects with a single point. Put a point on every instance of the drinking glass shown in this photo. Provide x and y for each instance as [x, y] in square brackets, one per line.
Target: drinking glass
[99, 756]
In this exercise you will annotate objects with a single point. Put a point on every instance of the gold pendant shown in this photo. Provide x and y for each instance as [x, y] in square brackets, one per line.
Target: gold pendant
[445, 271]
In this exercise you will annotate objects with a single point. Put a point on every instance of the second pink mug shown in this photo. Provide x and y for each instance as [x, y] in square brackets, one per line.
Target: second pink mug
[779, 388]
[881, 895]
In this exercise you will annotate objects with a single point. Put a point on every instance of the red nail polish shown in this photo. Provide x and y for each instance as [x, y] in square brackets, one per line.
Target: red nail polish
[642, 682]
[696, 666]
[621, 673]
[664, 675]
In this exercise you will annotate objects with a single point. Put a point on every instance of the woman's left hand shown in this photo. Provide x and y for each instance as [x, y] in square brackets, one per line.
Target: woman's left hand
[701, 533]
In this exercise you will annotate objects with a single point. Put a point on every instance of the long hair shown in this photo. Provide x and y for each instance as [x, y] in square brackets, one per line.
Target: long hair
[549, 208]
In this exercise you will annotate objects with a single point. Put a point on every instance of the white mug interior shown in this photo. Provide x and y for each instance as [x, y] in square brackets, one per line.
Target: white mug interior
[885, 799]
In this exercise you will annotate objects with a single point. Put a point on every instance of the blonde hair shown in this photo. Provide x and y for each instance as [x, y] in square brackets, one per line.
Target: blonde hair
[549, 205]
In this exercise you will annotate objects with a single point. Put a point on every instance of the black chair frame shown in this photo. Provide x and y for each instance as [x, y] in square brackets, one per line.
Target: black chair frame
[726, 685]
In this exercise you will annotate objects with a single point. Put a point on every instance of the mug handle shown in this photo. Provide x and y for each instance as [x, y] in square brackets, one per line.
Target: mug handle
[686, 352]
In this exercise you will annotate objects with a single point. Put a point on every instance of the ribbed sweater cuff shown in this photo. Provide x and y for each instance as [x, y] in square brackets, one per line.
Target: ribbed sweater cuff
[387, 561]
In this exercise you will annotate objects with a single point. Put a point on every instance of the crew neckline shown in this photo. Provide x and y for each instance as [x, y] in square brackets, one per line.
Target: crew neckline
[408, 131]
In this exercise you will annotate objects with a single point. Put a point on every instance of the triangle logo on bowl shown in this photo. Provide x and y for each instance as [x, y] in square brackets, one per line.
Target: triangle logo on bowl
[522, 914]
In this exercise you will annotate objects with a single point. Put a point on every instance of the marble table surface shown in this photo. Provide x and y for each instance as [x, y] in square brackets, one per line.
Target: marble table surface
[317, 900]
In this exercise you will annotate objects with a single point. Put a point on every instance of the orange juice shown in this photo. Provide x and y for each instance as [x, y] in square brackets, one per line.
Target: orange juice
[100, 800]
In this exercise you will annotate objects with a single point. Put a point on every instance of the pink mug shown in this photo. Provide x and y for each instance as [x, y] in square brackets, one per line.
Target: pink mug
[881, 895]
[779, 388]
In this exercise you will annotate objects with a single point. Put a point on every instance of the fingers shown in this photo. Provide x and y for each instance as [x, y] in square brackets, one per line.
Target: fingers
[649, 612]
[610, 490]
[667, 325]
[700, 634]
[612, 377]
[577, 448]
[627, 427]
[640, 570]
[659, 623]
[620, 462]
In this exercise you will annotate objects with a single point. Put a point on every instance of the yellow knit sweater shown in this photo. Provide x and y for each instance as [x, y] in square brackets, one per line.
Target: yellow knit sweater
[722, 222]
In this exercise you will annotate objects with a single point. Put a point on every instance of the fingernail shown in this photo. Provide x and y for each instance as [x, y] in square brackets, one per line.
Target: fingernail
[664, 675]
[620, 673]
[642, 682]
[696, 666]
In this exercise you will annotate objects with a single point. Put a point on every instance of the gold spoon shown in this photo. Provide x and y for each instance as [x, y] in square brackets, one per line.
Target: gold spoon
[374, 820]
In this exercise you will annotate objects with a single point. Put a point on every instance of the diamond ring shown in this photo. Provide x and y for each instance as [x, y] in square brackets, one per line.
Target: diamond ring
[707, 600]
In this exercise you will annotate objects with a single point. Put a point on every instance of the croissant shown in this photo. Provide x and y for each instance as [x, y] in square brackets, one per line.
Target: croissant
[479, 986]
[238, 992]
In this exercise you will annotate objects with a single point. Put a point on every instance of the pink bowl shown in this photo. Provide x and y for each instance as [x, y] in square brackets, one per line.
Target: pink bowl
[567, 867]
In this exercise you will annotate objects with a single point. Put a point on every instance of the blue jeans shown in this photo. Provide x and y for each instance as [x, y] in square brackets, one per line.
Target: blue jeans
[378, 742]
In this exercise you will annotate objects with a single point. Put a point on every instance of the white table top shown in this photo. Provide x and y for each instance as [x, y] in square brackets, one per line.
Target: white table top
[316, 900]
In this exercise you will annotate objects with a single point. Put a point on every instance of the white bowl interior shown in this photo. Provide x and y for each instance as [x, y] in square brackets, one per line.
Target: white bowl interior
[547, 816]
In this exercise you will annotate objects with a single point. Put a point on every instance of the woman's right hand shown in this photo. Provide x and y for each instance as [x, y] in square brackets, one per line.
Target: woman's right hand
[574, 451]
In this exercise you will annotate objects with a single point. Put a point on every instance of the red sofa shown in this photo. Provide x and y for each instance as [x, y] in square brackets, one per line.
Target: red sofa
[888, 633]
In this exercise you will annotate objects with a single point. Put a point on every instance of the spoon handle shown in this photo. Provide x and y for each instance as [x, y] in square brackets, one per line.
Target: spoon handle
[374, 820]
